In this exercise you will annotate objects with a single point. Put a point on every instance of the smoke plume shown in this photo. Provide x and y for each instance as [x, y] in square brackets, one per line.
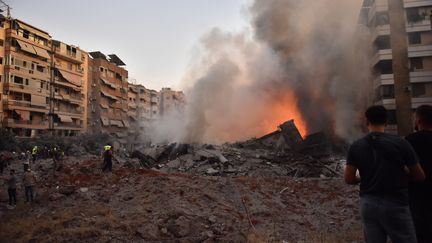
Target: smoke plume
[303, 60]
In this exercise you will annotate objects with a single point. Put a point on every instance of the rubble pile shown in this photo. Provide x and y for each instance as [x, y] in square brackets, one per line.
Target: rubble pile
[80, 203]
[280, 153]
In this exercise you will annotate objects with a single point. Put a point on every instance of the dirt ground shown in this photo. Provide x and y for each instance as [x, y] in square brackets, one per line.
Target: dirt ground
[82, 204]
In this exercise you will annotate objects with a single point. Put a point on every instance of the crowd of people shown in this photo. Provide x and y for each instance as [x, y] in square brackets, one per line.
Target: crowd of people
[395, 179]
[29, 178]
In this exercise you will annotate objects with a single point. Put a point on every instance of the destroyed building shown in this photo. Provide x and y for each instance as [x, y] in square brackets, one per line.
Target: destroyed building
[171, 100]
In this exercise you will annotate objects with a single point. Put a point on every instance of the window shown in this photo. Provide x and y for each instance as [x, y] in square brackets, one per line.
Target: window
[101, 69]
[418, 89]
[70, 66]
[413, 15]
[1, 60]
[26, 34]
[1, 42]
[18, 80]
[383, 42]
[382, 18]
[26, 82]
[385, 67]
[24, 64]
[414, 38]
[416, 63]
[40, 68]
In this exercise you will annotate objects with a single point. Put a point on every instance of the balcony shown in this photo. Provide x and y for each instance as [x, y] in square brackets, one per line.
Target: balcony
[383, 79]
[25, 105]
[381, 55]
[421, 76]
[423, 25]
[416, 3]
[25, 124]
[378, 6]
[67, 126]
[420, 51]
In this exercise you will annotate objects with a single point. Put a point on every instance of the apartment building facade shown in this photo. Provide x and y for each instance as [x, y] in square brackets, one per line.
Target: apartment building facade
[108, 95]
[39, 93]
[404, 62]
[171, 100]
[69, 89]
[25, 78]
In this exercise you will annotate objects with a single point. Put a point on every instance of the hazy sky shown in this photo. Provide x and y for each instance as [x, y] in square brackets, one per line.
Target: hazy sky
[153, 37]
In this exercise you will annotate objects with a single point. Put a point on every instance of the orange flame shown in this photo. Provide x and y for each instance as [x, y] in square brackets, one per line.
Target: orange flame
[284, 108]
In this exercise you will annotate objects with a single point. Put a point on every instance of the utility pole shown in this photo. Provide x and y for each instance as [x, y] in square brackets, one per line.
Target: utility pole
[8, 8]
[402, 85]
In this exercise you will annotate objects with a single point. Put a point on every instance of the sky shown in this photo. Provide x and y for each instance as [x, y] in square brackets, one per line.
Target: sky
[154, 38]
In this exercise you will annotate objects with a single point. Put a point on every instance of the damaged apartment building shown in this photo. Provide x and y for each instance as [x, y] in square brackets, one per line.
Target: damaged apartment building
[48, 86]
[401, 60]
[41, 84]
[108, 96]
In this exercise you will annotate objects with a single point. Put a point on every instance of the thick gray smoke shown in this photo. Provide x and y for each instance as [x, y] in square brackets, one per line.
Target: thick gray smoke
[299, 59]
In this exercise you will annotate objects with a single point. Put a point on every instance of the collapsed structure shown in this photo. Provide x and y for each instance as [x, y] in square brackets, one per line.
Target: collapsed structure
[50, 86]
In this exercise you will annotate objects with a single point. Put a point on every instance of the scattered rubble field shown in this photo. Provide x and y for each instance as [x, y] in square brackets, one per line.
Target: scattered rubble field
[82, 204]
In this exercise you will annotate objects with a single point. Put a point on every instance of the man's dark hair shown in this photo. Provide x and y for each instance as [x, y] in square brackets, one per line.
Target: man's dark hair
[424, 113]
[376, 115]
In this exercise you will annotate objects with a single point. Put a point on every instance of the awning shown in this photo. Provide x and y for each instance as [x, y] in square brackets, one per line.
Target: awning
[41, 52]
[108, 95]
[26, 47]
[64, 118]
[108, 83]
[34, 30]
[74, 79]
[25, 115]
[105, 121]
[116, 123]
[126, 123]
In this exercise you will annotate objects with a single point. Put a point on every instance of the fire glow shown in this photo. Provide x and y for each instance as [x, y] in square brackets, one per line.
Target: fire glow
[284, 108]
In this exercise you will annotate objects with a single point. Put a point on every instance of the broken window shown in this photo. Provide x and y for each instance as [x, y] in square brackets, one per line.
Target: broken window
[416, 63]
[418, 89]
[414, 38]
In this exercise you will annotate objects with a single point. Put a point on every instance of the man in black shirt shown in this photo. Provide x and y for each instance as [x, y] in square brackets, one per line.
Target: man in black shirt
[421, 193]
[385, 164]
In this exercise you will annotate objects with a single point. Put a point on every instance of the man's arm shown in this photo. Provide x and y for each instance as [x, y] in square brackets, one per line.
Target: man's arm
[416, 172]
[350, 175]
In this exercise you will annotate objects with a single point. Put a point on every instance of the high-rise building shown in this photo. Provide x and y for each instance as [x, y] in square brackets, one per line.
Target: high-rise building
[401, 35]
[68, 89]
[42, 84]
[108, 95]
[26, 76]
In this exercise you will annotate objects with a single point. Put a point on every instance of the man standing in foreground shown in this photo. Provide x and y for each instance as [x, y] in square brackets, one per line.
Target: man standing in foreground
[421, 193]
[385, 163]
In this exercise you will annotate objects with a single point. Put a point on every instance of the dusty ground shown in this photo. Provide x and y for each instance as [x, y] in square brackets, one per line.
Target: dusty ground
[80, 204]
